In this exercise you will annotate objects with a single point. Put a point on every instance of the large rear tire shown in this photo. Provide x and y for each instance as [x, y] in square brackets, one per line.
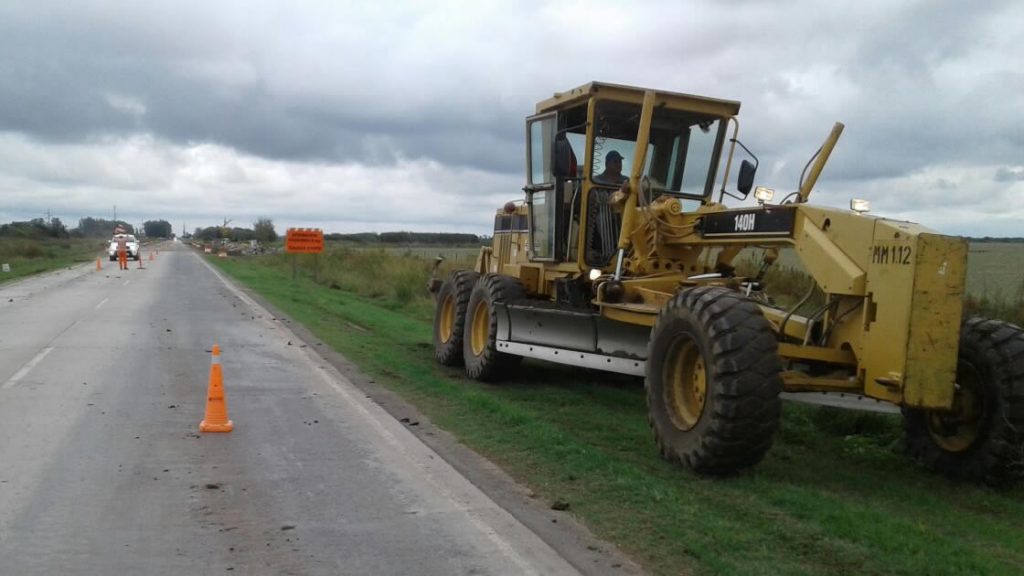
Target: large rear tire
[982, 438]
[713, 381]
[450, 316]
[483, 361]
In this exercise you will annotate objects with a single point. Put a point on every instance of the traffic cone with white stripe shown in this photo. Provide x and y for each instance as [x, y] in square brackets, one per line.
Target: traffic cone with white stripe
[216, 419]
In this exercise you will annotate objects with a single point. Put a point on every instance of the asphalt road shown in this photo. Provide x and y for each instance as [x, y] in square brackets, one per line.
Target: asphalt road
[103, 378]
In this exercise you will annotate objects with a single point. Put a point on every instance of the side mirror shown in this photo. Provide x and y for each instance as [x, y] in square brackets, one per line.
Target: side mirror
[745, 181]
[565, 165]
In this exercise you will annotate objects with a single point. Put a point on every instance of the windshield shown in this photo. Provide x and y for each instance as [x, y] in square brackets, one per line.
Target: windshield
[681, 152]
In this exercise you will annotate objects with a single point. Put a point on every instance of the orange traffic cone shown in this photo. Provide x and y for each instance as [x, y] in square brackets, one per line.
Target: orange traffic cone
[98, 265]
[140, 262]
[216, 419]
[150, 256]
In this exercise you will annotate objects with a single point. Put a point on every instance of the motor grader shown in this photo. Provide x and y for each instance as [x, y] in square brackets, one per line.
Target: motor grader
[637, 273]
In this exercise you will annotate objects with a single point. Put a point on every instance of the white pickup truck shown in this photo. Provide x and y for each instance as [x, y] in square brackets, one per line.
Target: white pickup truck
[131, 243]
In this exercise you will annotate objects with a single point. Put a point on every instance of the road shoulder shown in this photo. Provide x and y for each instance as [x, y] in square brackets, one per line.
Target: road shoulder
[560, 530]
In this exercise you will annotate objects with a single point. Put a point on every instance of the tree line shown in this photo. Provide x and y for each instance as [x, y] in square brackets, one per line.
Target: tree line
[438, 238]
[262, 230]
[39, 228]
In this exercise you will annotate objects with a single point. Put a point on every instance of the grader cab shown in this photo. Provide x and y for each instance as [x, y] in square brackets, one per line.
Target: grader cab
[622, 257]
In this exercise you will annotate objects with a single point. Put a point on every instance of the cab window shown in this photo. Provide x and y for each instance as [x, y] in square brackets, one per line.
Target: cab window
[684, 153]
[540, 138]
[541, 186]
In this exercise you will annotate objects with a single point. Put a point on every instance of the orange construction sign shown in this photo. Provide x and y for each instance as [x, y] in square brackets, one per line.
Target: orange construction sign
[304, 241]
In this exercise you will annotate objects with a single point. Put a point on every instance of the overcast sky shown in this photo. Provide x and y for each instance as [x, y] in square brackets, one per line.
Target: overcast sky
[387, 115]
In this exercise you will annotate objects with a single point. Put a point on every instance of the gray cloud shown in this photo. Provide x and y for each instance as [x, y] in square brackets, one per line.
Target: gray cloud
[925, 88]
[1014, 174]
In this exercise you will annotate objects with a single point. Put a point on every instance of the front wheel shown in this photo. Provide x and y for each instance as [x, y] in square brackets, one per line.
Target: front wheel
[713, 381]
[479, 347]
[982, 437]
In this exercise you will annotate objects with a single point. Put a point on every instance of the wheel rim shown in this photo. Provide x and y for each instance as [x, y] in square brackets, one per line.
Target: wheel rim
[957, 430]
[447, 319]
[481, 328]
[685, 377]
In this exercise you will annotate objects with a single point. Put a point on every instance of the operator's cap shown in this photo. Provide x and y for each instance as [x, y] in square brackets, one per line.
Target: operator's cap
[613, 155]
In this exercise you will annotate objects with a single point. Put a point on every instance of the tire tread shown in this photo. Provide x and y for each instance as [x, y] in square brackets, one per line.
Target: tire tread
[745, 411]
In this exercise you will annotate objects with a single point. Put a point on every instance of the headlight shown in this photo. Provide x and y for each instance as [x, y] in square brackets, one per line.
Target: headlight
[763, 194]
[595, 273]
[859, 206]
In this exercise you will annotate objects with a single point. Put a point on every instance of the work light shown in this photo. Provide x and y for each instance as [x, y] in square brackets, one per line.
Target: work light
[763, 194]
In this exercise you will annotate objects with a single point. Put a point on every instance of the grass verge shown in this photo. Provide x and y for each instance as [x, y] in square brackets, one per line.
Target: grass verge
[835, 495]
[31, 256]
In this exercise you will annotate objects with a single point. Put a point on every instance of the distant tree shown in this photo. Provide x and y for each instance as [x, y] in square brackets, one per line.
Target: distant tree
[263, 229]
[240, 234]
[99, 227]
[92, 227]
[396, 237]
[362, 237]
[208, 234]
[57, 228]
[435, 238]
[157, 228]
[24, 230]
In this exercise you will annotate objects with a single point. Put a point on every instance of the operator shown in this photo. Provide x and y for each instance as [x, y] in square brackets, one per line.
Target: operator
[122, 252]
[612, 170]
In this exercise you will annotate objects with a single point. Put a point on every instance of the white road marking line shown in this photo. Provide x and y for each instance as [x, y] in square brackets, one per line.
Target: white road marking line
[126, 282]
[26, 368]
[98, 306]
[241, 295]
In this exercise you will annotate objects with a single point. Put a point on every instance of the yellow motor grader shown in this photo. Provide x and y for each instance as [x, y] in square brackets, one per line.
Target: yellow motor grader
[622, 257]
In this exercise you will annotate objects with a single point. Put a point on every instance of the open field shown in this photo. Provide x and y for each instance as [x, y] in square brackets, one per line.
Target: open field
[835, 495]
[994, 269]
[462, 256]
[30, 256]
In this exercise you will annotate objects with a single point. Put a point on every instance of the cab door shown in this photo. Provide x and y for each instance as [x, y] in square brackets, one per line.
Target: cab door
[542, 194]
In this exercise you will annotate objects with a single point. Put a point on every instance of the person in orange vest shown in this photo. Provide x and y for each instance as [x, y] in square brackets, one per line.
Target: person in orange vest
[122, 252]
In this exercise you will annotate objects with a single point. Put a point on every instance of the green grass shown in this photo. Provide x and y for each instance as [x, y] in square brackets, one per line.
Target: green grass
[463, 256]
[29, 256]
[835, 495]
